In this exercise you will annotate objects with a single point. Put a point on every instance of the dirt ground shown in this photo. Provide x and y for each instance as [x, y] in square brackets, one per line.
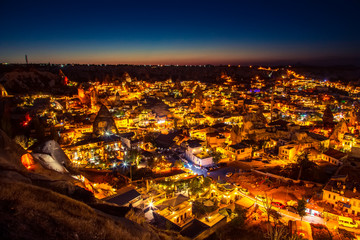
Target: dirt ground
[276, 189]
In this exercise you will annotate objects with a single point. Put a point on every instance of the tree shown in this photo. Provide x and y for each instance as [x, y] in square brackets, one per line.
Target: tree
[195, 186]
[239, 220]
[198, 209]
[280, 232]
[216, 156]
[21, 140]
[328, 117]
[207, 182]
[303, 162]
[178, 164]
[170, 187]
[133, 155]
[301, 207]
[276, 216]
[268, 206]
[237, 224]
[276, 232]
[320, 232]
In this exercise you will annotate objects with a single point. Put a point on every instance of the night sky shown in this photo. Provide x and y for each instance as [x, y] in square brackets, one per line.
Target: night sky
[178, 32]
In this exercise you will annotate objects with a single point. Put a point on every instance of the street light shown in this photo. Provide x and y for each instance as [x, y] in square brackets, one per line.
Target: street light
[151, 204]
[125, 164]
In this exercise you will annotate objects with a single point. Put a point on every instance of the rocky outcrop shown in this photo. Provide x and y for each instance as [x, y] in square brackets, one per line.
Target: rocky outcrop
[104, 123]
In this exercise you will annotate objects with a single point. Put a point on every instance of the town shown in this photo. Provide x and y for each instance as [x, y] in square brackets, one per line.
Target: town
[199, 157]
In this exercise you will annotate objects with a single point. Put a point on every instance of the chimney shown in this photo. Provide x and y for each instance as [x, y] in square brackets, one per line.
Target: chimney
[354, 190]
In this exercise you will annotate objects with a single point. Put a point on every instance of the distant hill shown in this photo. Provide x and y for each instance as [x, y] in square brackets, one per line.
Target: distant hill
[34, 79]
[24, 81]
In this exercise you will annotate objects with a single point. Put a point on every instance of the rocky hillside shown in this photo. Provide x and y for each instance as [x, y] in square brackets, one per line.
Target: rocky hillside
[44, 204]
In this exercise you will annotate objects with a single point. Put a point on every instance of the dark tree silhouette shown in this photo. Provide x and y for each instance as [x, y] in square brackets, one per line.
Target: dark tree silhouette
[301, 208]
[328, 117]
[303, 162]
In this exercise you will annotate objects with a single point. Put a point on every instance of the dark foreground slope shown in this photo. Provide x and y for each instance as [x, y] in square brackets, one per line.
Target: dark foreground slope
[45, 204]
[31, 212]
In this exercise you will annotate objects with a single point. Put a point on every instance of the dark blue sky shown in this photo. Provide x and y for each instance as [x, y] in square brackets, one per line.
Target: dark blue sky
[178, 32]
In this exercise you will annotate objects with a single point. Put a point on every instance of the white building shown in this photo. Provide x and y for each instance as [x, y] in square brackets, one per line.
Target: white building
[196, 155]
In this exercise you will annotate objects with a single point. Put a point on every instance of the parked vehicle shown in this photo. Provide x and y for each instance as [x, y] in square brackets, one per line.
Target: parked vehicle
[347, 222]
[244, 191]
[260, 198]
[291, 209]
[278, 205]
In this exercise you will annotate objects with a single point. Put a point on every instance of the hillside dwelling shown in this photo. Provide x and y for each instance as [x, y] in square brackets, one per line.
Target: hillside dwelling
[125, 198]
[176, 211]
[200, 132]
[314, 154]
[239, 151]
[104, 123]
[123, 122]
[94, 150]
[340, 194]
[215, 139]
[196, 154]
[270, 144]
[334, 156]
[319, 142]
[348, 141]
[287, 152]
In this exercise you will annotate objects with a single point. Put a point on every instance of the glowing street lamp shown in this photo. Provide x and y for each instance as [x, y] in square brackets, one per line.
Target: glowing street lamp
[125, 165]
[151, 204]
